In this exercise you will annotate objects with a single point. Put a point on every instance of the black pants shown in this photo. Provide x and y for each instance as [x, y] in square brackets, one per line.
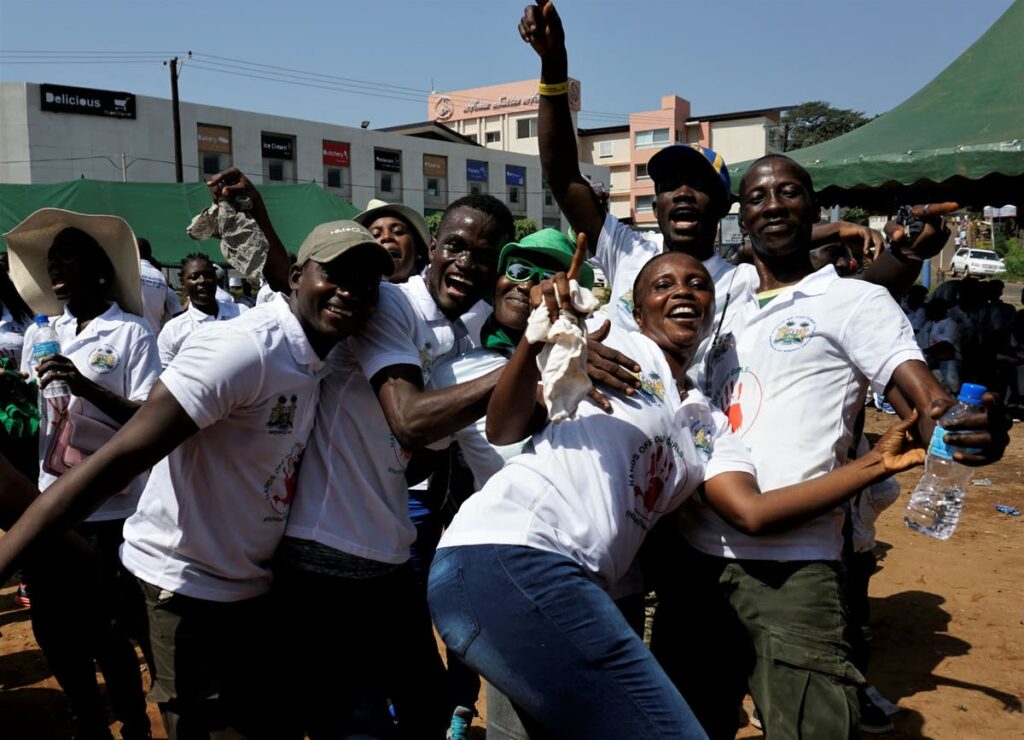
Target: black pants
[78, 625]
[351, 637]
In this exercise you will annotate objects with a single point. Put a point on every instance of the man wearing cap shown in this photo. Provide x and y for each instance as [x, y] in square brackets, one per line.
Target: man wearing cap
[235, 405]
[345, 555]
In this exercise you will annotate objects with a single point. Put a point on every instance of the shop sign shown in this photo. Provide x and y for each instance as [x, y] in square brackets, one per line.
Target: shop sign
[214, 139]
[515, 175]
[86, 100]
[435, 165]
[336, 153]
[278, 147]
[476, 171]
[385, 160]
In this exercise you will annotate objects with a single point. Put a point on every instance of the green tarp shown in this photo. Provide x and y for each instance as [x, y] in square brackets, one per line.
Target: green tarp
[161, 211]
[961, 137]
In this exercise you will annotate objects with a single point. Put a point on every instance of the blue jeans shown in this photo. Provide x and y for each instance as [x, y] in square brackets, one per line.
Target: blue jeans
[537, 627]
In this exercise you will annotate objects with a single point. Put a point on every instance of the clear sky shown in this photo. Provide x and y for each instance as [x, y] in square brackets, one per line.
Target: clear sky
[722, 55]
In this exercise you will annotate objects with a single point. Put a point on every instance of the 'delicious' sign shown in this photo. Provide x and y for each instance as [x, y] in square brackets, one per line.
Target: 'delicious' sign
[85, 100]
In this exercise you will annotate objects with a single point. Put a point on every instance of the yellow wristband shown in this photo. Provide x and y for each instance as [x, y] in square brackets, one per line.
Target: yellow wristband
[560, 88]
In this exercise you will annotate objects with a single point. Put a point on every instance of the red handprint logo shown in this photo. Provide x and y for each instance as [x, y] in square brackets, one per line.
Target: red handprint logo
[734, 411]
[660, 468]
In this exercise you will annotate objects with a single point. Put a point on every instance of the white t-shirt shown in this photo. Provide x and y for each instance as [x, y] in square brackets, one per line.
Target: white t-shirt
[177, 329]
[621, 253]
[214, 510]
[117, 351]
[352, 494]
[159, 301]
[483, 458]
[264, 294]
[791, 377]
[591, 487]
[943, 330]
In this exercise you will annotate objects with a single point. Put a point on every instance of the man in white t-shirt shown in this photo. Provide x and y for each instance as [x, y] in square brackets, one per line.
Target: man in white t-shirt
[790, 369]
[159, 301]
[224, 427]
[346, 550]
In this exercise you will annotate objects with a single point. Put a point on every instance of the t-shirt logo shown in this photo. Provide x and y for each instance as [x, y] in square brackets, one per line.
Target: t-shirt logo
[426, 361]
[625, 304]
[650, 468]
[282, 416]
[739, 395]
[701, 432]
[792, 334]
[287, 471]
[104, 359]
[652, 387]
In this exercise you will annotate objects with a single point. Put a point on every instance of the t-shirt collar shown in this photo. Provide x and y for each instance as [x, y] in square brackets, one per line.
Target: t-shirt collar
[416, 289]
[298, 343]
[198, 315]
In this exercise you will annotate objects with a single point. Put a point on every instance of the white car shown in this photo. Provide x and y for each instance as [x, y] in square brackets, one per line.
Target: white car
[976, 262]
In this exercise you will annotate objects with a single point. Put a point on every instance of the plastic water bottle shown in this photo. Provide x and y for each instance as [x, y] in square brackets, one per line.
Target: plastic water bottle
[47, 344]
[936, 503]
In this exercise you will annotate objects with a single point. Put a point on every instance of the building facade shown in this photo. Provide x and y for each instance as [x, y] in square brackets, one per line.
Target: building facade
[55, 133]
[504, 117]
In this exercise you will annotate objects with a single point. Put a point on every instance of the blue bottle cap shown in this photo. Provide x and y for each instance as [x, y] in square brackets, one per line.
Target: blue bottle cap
[938, 446]
[42, 320]
[971, 393]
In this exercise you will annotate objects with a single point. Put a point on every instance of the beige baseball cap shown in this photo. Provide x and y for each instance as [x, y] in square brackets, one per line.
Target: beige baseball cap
[329, 241]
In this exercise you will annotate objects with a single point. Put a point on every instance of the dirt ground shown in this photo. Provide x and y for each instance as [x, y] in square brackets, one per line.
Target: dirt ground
[948, 622]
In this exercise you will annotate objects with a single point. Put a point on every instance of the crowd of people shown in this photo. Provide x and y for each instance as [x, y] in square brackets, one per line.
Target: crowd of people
[280, 504]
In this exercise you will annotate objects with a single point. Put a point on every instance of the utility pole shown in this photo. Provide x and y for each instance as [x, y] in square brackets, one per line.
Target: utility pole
[173, 64]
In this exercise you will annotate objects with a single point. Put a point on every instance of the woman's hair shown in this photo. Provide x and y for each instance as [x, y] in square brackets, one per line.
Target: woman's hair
[88, 251]
[12, 300]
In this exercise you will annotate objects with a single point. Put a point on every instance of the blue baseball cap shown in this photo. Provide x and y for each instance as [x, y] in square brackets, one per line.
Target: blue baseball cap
[673, 159]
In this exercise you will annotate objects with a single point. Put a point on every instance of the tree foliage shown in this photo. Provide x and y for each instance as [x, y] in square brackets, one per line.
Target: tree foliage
[814, 122]
[434, 222]
[524, 227]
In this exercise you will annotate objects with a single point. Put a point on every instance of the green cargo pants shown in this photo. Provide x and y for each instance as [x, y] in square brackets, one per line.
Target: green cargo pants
[778, 628]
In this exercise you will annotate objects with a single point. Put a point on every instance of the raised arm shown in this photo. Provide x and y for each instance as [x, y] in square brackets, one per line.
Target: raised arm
[151, 434]
[232, 183]
[542, 29]
[898, 267]
[737, 499]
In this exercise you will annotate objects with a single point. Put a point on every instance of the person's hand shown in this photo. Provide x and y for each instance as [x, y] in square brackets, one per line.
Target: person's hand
[610, 368]
[59, 367]
[986, 430]
[232, 183]
[542, 29]
[934, 233]
[897, 448]
[861, 240]
[554, 291]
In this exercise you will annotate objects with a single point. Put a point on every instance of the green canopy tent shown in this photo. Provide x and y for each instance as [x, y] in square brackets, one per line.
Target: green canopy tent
[960, 138]
[161, 211]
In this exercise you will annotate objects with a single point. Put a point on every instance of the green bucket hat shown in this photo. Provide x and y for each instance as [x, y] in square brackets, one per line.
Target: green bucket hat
[546, 246]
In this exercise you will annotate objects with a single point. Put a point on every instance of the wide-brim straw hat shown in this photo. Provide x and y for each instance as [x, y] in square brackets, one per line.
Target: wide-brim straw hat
[377, 208]
[29, 242]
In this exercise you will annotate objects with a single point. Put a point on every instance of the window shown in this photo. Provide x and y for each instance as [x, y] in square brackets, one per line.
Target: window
[641, 172]
[607, 148]
[476, 188]
[493, 137]
[513, 195]
[655, 137]
[278, 157]
[387, 184]
[526, 128]
[433, 187]
[679, 136]
[644, 203]
[211, 164]
[472, 137]
[214, 149]
[275, 171]
[335, 177]
[549, 199]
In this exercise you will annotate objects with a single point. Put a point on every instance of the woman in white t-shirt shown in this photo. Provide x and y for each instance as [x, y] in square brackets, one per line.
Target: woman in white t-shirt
[518, 589]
